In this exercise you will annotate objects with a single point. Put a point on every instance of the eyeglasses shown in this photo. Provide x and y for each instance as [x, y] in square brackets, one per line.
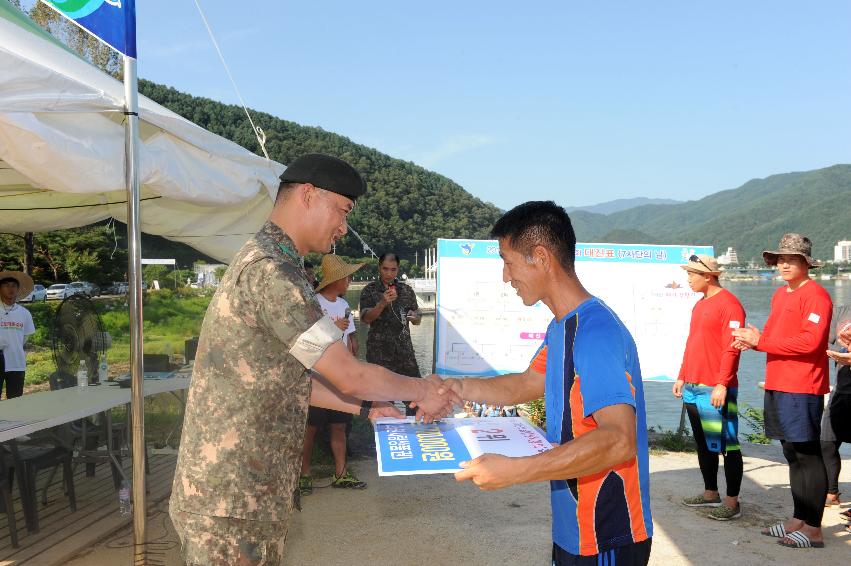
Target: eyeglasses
[695, 259]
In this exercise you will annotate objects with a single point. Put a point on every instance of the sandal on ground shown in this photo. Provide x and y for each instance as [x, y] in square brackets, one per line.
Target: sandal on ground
[799, 540]
[776, 531]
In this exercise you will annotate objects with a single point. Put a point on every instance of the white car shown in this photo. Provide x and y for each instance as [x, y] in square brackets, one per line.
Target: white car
[57, 291]
[39, 294]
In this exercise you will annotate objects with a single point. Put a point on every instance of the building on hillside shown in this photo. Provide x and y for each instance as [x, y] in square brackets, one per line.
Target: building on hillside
[729, 258]
[205, 274]
[842, 251]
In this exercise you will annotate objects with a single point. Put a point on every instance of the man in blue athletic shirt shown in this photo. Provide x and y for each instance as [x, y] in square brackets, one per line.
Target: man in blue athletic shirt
[588, 373]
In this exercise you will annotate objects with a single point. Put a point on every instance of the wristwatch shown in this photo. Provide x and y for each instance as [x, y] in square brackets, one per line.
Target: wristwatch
[365, 408]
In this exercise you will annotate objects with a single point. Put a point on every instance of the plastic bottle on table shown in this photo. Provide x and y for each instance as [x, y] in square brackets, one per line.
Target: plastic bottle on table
[82, 375]
[125, 506]
[103, 370]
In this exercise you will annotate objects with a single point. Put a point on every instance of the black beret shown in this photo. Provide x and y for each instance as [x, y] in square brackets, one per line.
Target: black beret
[326, 172]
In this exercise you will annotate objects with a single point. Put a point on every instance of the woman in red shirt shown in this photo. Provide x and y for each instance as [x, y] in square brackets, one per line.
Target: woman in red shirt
[796, 379]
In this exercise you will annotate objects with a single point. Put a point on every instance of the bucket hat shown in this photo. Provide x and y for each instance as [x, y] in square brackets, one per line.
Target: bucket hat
[792, 244]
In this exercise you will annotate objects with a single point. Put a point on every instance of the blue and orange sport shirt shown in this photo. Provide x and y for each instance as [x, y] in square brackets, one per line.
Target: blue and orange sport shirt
[590, 360]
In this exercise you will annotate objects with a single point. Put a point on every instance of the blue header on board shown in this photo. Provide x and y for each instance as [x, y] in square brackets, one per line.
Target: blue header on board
[604, 253]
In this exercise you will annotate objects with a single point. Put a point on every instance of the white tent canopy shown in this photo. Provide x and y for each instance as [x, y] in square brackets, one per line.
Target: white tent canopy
[62, 154]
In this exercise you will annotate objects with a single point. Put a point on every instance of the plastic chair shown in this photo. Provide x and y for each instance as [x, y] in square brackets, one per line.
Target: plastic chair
[29, 460]
[6, 498]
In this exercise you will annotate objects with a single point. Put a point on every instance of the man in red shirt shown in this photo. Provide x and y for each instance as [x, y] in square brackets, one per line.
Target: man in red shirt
[708, 385]
[796, 378]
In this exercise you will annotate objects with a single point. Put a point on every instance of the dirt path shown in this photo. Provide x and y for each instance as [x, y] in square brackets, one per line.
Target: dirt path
[433, 520]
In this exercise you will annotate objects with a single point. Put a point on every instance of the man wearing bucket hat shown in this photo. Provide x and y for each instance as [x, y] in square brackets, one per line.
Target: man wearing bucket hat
[16, 324]
[336, 276]
[794, 339]
[708, 385]
[263, 336]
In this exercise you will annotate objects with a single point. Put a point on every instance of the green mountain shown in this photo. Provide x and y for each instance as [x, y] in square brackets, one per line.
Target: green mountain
[750, 218]
[406, 206]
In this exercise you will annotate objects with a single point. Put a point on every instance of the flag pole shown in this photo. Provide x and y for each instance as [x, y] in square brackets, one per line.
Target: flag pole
[134, 272]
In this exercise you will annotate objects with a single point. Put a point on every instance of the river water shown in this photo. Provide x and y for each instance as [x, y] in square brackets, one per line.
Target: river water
[663, 410]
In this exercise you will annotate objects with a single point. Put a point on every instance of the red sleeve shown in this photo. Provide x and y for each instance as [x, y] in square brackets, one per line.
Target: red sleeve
[731, 318]
[812, 335]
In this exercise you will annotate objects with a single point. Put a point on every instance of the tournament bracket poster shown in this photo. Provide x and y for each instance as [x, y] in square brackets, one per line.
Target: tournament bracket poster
[404, 447]
[483, 329]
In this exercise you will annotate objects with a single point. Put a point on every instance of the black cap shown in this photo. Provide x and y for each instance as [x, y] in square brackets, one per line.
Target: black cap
[326, 172]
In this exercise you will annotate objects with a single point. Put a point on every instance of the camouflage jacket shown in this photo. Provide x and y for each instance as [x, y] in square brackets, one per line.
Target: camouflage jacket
[388, 343]
[240, 452]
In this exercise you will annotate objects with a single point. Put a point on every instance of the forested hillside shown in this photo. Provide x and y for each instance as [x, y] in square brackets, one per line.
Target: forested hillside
[407, 206]
[750, 218]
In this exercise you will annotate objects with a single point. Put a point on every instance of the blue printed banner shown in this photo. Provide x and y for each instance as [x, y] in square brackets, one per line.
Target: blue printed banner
[111, 21]
[605, 253]
[404, 447]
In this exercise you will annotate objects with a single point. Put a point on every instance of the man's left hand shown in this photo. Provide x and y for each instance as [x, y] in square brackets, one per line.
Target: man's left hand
[748, 336]
[719, 396]
[381, 409]
[490, 471]
[841, 358]
[414, 317]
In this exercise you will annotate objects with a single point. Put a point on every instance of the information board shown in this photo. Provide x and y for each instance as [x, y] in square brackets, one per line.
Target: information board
[483, 329]
[404, 447]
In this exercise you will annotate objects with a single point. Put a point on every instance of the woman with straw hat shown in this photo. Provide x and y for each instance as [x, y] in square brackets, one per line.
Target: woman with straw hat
[16, 324]
[336, 276]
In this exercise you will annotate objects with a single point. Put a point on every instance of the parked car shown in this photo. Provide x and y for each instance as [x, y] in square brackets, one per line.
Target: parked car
[85, 288]
[78, 288]
[39, 293]
[58, 291]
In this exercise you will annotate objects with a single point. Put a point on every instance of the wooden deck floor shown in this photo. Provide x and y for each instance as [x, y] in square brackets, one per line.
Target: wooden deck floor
[63, 534]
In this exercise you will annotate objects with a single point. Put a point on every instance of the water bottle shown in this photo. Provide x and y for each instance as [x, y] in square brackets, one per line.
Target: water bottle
[125, 507]
[103, 370]
[82, 375]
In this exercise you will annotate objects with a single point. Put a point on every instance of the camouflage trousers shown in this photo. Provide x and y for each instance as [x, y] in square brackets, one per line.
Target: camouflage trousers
[226, 541]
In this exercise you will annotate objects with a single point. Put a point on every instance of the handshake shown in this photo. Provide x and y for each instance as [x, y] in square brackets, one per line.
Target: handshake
[439, 398]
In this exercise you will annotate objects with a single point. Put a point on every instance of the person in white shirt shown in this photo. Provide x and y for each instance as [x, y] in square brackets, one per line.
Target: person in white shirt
[16, 324]
[336, 276]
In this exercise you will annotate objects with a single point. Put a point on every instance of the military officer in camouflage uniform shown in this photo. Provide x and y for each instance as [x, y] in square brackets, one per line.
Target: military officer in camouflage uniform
[389, 306]
[240, 450]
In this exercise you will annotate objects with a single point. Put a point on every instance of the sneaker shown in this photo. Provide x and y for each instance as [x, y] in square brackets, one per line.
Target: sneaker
[700, 501]
[305, 485]
[348, 480]
[724, 513]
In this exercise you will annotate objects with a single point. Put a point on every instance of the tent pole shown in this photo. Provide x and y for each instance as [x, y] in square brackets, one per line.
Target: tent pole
[134, 272]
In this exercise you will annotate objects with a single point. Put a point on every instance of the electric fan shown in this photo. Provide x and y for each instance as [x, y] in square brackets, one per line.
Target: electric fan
[78, 335]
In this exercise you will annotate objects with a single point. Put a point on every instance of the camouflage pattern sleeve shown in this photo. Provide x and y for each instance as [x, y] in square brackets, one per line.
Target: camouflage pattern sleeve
[287, 308]
[369, 297]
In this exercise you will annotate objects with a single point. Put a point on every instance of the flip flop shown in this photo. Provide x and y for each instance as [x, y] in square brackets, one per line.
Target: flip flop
[846, 514]
[799, 540]
[776, 531]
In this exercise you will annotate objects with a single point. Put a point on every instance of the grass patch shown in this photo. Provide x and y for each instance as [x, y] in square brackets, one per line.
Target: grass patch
[661, 441]
[756, 419]
[169, 319]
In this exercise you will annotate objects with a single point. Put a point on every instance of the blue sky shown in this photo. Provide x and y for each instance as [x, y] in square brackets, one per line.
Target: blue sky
[581, 102]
